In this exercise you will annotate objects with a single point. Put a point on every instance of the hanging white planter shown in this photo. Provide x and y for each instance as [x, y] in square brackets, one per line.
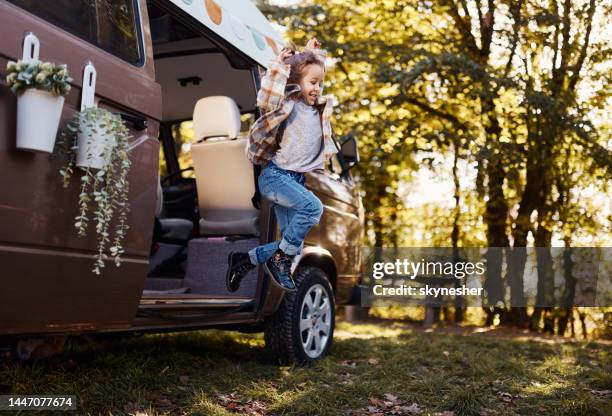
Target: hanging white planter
[94, 143]
[38, 117]
[38, 110]
[95, 138]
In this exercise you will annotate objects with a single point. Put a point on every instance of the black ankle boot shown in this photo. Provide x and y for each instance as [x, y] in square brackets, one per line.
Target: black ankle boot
[238, 265]
[279, 267]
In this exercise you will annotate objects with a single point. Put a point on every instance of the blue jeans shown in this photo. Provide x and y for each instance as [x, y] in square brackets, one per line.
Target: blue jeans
[296, 208]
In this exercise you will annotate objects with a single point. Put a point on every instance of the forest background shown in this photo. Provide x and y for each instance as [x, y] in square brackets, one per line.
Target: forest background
[481, 123]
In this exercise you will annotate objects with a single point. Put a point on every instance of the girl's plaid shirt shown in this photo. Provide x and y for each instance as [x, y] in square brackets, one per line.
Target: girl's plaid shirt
[272, 100]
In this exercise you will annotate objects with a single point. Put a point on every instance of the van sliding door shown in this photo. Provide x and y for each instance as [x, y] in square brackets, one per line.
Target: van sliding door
[47, 284]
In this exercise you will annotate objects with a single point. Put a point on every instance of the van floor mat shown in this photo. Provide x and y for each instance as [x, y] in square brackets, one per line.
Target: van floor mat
[163, 284]
[171, 266]
[166, 252]
[207, 266]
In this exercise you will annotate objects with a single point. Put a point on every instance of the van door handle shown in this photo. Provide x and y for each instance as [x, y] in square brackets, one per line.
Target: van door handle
[137, 122]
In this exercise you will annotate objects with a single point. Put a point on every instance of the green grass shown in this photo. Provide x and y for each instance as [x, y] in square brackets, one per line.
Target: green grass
[195, 373]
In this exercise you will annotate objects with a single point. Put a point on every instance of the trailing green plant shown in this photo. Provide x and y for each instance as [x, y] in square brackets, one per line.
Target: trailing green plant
[46, 76]
[105, 191]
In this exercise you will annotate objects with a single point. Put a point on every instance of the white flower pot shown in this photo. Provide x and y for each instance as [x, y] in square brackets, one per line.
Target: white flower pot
[38, 117]
[94, 147]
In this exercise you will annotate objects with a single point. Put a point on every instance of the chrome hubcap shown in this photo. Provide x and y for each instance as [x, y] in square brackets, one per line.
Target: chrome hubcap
[315, 321]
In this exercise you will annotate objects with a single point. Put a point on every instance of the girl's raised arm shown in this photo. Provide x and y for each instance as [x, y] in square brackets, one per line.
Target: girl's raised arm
[315, 47]
[270, 95]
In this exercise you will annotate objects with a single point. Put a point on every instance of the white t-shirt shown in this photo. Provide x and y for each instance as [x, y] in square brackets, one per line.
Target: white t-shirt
[301, 145]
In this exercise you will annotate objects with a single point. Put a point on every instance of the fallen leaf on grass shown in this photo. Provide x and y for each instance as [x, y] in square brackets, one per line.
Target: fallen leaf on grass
[373, 361]
[391, 397]
[376, 402]
[226, 398]
[446, 353]
[414, 409]
[392, 405]
[234, 404]
[506, 397]
[349, 363]
[603, 394]
[164, 402]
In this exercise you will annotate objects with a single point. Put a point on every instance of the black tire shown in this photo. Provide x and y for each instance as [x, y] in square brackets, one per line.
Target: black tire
[283, 337]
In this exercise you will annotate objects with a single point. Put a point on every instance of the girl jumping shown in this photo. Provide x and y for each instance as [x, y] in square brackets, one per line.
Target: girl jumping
[293, 136]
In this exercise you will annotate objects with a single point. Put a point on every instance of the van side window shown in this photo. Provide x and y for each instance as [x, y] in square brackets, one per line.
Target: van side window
[182, 139]
[112, 25]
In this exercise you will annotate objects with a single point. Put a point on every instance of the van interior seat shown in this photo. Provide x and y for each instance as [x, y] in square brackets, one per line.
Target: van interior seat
[179, 229]
[224, 176]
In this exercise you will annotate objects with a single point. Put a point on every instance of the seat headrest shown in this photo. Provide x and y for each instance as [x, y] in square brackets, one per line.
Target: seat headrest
[216, 116]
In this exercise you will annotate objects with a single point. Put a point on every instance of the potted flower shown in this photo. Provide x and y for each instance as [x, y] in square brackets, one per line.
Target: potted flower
[97, 141]
[41, 87]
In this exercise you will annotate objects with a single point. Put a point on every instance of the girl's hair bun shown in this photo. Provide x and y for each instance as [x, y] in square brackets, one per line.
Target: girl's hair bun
[298, 62]
[291, 46]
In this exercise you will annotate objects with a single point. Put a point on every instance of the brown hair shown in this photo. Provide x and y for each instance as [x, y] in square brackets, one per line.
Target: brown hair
[291, 46]
[298, 62]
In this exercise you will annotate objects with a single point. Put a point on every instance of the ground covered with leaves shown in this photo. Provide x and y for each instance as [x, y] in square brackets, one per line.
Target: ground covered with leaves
[374, 369]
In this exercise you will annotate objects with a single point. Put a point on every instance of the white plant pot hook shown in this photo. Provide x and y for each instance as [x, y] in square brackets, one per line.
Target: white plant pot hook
[88, 92]
[31, 48]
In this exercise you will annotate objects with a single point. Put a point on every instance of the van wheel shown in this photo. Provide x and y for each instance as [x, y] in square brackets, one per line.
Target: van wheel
[302, 329]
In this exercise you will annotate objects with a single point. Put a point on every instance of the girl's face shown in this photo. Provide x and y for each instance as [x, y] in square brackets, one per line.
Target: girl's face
[312, 77]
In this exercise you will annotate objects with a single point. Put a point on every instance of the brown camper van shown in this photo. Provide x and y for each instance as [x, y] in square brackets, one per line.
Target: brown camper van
[181, 74]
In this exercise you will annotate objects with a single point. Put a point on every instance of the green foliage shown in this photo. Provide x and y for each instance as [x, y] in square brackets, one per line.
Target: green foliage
[105, 190]
[45, 76]
[500, 84]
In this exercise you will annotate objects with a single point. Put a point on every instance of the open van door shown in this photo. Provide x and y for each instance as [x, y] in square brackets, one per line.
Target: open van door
[46, 278]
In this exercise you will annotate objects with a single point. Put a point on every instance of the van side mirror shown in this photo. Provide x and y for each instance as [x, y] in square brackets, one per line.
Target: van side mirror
[349, 154]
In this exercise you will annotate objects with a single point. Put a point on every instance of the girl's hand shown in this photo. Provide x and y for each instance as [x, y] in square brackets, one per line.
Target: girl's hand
[284, 54]
[313, 44]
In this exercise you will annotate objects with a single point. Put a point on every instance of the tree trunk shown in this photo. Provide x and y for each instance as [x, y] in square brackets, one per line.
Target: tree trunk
[545, 288]
[495, 216]
[458, 301]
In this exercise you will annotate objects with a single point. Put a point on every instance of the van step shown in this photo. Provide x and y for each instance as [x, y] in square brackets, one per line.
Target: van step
[172, 301]
[166, 292]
